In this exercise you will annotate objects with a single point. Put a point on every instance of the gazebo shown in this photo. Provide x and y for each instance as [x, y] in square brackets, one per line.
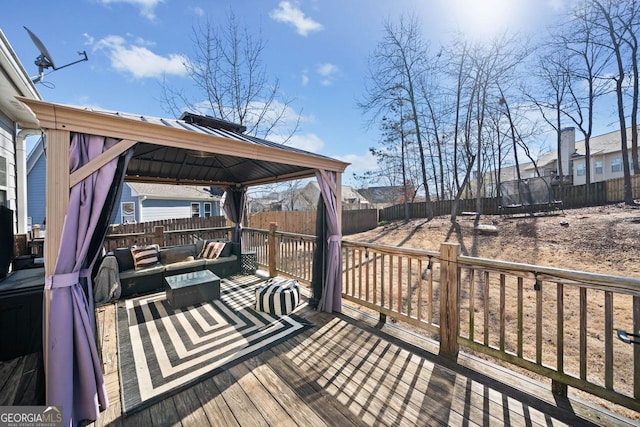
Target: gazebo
[89, 154]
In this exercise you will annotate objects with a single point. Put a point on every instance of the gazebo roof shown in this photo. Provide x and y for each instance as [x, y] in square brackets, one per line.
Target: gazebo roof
[191, 150]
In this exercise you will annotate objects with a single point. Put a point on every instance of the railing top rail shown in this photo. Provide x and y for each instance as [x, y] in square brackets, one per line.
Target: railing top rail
[593, 280]
[395, 250]
[259, 230]
[296, 235]
[190, 230]
[283, 233]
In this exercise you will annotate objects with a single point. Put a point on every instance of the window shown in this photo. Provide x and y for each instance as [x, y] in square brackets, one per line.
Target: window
[195, 210]
[581, 170]
[616, 165]
[207, 209]
[3, 181]
[128, 212]
[599, 167]
[3, 172]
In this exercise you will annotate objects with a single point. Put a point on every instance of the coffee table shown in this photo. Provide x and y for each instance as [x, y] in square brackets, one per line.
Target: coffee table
[192, 288]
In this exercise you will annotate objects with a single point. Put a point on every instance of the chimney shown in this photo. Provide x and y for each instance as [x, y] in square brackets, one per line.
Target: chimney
[567, 148]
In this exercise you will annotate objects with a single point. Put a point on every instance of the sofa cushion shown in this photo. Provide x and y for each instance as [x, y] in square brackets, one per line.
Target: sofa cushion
[174, 254]
[212, 250]
[144, 256]
[221, 260]
[125, 259]
[193, 265]
[148, 271]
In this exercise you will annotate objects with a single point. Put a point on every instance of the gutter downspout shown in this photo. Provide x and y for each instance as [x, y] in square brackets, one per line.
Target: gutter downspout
[21, 177]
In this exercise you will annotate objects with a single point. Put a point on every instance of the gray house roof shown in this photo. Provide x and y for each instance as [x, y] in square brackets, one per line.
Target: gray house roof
[171, 192]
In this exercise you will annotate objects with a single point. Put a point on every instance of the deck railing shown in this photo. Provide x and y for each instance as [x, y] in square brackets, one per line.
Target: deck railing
[557, 323]
[283, 253]
[163, 237]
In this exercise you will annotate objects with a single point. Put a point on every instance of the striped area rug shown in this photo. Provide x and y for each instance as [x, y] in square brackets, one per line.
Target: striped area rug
[163, 351]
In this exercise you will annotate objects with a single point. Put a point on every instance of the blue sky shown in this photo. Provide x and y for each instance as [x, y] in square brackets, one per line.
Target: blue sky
[318, 49]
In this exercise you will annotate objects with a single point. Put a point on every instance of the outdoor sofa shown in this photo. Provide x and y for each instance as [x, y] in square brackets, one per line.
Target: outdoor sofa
[172, 260]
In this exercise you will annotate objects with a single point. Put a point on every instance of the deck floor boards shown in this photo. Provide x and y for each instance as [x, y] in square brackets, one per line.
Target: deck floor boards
[341, 372]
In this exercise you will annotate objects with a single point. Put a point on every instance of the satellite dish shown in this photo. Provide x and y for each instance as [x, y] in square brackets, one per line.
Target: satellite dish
[45, 60]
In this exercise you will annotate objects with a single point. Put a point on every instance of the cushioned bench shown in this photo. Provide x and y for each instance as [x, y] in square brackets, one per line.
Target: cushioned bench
[173, 260]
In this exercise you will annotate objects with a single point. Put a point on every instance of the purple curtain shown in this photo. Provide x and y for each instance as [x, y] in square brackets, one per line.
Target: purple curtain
[234, 207]
[73, 373]
[331, 298]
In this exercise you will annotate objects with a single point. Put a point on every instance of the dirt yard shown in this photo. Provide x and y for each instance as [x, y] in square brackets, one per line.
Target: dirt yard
[603, 240]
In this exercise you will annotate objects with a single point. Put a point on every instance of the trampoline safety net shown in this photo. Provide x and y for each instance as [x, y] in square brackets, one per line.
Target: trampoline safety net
[527, 192]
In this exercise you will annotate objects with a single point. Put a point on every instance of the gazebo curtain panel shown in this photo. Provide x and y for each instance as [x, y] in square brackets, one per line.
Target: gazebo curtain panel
[234, 206]
[74, 378]
[331, 298]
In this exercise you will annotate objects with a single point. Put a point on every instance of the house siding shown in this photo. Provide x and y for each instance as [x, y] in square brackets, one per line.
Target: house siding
[125, 196]
[36, 192]
[607, 162]
[154, 209]
[7, 151]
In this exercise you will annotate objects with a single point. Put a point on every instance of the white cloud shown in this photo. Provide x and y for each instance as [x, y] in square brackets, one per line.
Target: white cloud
[140, 61]
[290, 14]
[327, 69]
[89, 39]
[328, 73]
[308, 142]
[198, 11]
[359, 162]
[305, 78]
[147, 7]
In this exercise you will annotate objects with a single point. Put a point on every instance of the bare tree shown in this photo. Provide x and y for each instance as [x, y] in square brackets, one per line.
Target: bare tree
[227, 69]
[616, 18]
[586, 60]
[395, 67]
[550, 97]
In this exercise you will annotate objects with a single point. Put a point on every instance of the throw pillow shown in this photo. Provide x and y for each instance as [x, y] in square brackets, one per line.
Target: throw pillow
[211, 250]
[144, 256]
[227, 249]
[125, 260]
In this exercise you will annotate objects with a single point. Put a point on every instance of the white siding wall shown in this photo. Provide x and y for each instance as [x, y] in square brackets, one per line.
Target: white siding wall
[7, 151]
[157, 213]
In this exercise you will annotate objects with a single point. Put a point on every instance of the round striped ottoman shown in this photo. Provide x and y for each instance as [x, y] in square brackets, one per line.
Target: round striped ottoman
[278, 296]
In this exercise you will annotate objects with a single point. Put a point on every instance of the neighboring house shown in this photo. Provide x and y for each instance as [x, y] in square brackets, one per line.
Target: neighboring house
[305, 199]
[385, 196]
[606, 161]
[141, 202]
[36, 183]
[606, 158]
[138, 202]
[16, 123]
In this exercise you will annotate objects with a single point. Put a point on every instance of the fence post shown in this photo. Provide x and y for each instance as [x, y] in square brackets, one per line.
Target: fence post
[273, 227]
[449, 303]
[158, 235]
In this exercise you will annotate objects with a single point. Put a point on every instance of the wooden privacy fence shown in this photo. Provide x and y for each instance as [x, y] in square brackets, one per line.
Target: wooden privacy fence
[615, 189]
[304, 222]
[578, 196]
[559, 324]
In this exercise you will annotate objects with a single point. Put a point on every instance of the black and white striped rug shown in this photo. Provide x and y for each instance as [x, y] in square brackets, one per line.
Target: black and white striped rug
[162, 351]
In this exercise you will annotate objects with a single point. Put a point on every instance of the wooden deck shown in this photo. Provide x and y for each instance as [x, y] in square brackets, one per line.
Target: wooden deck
[345, 371]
